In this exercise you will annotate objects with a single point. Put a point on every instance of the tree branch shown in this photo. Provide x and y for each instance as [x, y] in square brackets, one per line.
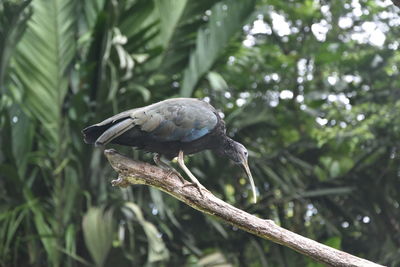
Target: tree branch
[135, 172]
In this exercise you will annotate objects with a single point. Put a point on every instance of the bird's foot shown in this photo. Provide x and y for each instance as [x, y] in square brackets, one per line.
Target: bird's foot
[176, 173]
[121, 182]
[199, 187]
[163, 165]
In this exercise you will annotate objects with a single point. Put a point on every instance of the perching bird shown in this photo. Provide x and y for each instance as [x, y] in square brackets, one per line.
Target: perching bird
[171, 128]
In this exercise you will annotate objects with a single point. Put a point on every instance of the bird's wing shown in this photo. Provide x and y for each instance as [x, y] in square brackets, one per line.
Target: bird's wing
[119, 116]
[176, 120]
[183, 120]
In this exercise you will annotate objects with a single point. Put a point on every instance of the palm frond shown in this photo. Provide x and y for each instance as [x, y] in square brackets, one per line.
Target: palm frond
[44, 56]
[225, 20]
[13, 18]
[43, 227]
[169, 12]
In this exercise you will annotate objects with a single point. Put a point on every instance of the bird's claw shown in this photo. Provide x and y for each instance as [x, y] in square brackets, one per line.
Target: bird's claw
[165, 166]
[199, 187]
[175, 172]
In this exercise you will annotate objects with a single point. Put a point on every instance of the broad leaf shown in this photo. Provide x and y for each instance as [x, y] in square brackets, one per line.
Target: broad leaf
[170, 12]
[98, 227]
[225, 20]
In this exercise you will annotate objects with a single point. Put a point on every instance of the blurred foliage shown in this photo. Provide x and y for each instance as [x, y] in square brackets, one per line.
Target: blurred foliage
[308, 86]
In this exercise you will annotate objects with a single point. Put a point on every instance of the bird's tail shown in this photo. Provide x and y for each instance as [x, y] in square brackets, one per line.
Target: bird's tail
[91, 133]
[104, 134]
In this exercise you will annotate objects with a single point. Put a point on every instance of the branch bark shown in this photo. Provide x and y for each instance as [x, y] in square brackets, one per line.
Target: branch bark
[134, 172]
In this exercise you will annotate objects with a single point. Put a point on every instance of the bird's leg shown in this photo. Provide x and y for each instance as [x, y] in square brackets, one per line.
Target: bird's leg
[160, 163]
[163, 165]
[188, 172]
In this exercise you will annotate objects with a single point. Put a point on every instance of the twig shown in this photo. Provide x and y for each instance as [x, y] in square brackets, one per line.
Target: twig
[135, 172]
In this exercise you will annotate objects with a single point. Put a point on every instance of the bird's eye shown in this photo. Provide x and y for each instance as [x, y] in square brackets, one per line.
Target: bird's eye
[246, 153]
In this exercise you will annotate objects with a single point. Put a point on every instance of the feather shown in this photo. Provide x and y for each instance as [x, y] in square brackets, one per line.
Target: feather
[115, 131]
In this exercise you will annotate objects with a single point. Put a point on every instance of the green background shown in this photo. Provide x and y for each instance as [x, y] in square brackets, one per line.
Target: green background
[310, 87]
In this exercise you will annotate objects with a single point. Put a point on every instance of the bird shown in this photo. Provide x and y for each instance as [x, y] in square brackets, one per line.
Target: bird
[171, 128]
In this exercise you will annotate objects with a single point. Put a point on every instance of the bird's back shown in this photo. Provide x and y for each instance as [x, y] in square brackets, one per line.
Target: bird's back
[178, 123]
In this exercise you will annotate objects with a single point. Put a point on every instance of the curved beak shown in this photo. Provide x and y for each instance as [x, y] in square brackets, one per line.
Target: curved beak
[253, 187]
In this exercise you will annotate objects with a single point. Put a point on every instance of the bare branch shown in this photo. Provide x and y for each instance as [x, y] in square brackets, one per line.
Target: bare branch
[134, 172]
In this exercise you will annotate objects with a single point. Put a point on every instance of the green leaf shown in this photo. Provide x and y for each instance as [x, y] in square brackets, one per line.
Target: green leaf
[136, 16]
[218, 226]
[13, 18]
[334, 242]
[334, 169]
[91, 10]
[22, 133]
[10, 223]
[43, 227]
[216, 81]
[43, 59]
[169, 12]
[157, 197]
[327, 191]
[98, 231]
[157, 249]
[226, 19]
[146, 94]
[214, 259]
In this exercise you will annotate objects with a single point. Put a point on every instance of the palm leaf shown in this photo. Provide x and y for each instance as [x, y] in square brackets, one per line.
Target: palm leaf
[135, 17]
[170, 11]
[10, 222]
[181, 39]
[225, 20]
[22, 131]
[91, 9]
[43, 58]
[43, 227]
[13, 18]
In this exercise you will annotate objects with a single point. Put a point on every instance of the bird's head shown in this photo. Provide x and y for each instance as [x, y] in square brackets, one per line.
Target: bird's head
[238, 154]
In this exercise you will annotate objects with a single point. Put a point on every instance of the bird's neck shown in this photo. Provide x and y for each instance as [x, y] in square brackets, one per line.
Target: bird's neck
[225, 144]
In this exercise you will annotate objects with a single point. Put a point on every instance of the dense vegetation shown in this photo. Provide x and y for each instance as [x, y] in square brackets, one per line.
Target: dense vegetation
[310, 87]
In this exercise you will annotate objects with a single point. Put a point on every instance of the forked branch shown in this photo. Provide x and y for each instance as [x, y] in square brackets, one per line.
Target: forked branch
[134, 172]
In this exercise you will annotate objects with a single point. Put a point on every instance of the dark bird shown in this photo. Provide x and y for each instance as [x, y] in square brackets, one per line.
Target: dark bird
[171, 128]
